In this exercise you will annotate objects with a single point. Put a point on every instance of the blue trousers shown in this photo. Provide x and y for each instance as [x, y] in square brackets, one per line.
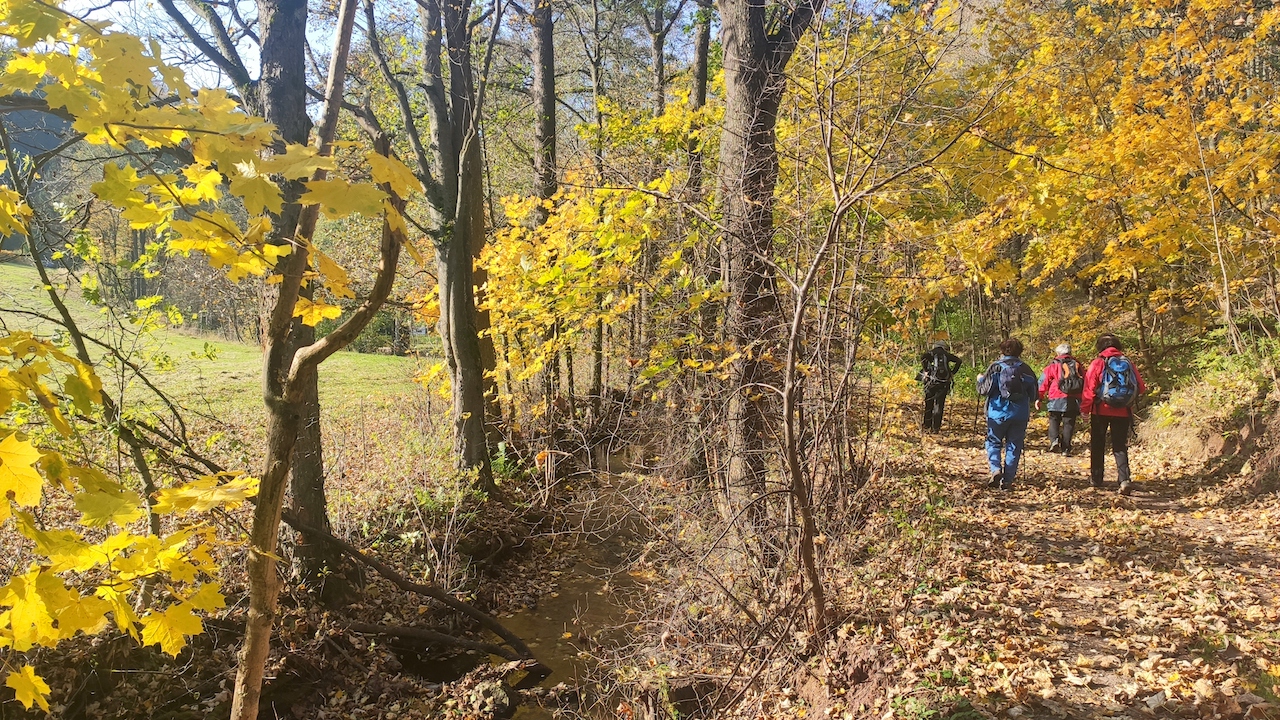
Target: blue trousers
[1007, 437]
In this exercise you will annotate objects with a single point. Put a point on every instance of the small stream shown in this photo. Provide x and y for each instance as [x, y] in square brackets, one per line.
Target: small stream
[584, 610]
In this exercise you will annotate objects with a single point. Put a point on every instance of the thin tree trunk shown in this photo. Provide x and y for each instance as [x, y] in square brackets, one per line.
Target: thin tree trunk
[544, 102]
[698, 95]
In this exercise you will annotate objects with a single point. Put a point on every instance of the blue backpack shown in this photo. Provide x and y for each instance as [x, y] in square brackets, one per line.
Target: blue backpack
[1119, 386]
[1008, 376]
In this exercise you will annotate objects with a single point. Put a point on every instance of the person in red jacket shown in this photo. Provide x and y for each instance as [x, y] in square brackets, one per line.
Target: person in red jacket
[1110, 389]
[1061, 383]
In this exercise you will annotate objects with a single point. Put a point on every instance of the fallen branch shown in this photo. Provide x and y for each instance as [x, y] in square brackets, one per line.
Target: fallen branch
[434, 592]
[433, 636]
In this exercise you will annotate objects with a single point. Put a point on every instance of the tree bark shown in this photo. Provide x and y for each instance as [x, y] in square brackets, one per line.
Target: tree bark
[755, 64]
[698, 95]
[289, 368]
[544, 103]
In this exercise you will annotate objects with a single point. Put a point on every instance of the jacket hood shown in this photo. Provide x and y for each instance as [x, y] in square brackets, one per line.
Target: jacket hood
[1110, 352]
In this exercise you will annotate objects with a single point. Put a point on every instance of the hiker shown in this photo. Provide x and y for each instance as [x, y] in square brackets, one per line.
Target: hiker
[1111, 386]
[1061, 384]
[938, 370]
[1008, 386]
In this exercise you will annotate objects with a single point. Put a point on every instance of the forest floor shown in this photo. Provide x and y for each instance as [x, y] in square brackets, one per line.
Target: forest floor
[1059, 600]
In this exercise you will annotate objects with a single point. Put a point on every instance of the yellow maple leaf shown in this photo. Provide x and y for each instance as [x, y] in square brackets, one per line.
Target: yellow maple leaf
[298, 161]
[335, 276]
[391, 171]
[104, 502]
[257, 191]
[312, 312]
[17, 474]
[205, 493]
[83, 613]
[339, 198]
[29, 687]
[30, 619]
[170, 629]
[30, 21]
[208, 598]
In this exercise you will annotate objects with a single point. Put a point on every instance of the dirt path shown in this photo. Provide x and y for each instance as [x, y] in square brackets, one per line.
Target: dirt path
[1058, 600]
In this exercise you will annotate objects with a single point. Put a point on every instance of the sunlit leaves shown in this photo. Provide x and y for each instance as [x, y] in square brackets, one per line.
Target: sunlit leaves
[80, 585]
[18, 476]
[171, 628]
[312, 312]
[394, 173]
[227, 489]
[30, 688]
[338, 198]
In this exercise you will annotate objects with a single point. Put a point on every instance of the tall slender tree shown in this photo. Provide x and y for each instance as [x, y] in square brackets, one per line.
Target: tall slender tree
[450, 166]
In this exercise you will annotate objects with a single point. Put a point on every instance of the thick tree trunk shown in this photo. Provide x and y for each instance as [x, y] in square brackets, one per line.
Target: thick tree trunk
[312, 557]
[748, 175]
[462, 357]
[755, 63]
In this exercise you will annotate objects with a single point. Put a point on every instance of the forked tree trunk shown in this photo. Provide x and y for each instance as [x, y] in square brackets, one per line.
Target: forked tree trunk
[289, 368]
[757, 48]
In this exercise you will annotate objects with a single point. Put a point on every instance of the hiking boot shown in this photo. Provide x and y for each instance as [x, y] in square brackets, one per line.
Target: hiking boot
[1125, 488]
[1055, 446]
[1006, 487]
[1066, 451]
[1097, 484]
[996, 480]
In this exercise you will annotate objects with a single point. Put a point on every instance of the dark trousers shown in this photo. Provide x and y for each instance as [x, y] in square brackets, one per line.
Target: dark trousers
[1099, 426]
[1062, 427]
[935, 398]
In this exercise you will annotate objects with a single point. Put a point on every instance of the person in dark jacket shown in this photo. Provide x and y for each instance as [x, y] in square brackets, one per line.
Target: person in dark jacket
[1009, 384]
[938, 371]
[1061, 385]
[1105, 417]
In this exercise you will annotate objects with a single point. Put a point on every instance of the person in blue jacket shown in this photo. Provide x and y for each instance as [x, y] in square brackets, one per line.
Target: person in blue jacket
[1009, 386]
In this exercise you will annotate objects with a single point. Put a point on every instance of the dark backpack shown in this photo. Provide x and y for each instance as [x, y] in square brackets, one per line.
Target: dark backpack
[1070, 381]
[1008, 377]
[1119, 387]
[937, 371]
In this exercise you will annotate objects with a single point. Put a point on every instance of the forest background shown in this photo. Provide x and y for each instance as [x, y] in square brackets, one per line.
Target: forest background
[328, 304]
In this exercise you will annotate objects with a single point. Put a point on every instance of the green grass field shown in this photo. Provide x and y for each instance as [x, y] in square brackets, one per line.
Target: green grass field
[210, 375]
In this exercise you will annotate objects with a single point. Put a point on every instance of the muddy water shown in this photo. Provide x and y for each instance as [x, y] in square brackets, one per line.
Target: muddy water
[586, 612]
